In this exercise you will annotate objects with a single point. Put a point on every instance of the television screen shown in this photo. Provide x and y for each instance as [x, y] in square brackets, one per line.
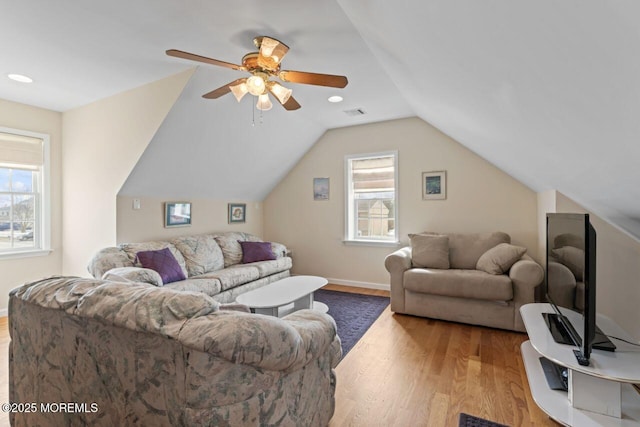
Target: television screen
[571, 280]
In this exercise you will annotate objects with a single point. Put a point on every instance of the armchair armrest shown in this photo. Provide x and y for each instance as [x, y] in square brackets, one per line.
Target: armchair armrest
[133, 274]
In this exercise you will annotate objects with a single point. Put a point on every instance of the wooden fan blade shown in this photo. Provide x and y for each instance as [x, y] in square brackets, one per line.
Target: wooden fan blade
[194, 57]
[271, 52]
[313, 78]
[291, 104]
[222, 90]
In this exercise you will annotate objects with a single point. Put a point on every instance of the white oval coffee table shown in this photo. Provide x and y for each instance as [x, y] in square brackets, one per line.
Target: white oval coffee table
[285, 296]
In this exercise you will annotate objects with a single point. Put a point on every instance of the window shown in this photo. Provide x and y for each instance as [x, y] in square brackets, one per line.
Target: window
[24, 204]
[372, 186]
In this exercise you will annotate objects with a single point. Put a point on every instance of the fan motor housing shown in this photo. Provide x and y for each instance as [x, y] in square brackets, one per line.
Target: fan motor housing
[250, 62]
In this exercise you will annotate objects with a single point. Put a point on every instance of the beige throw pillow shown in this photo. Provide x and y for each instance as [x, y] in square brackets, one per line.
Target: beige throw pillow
[500, 258]
[431, 251]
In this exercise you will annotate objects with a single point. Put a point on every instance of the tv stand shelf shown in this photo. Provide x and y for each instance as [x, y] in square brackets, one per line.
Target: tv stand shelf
[606, 368]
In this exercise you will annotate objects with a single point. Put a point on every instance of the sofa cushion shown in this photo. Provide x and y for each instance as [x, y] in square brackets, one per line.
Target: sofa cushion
[132, 249]
[209, 286]
[201, 253]
[164, 263]
[429, 250]
[233, 276]
[500, 258]
[466, 248]
[267, 268]
[256, 251]
[473, 284]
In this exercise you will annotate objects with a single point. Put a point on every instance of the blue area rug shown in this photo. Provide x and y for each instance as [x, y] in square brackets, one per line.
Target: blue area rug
[467, 420]
[353, 313]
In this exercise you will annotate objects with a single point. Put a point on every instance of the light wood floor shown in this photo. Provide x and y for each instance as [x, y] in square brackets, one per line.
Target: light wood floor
[410, 371]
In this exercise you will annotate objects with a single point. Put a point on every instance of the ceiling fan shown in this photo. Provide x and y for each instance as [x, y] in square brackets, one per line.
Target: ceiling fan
[262, 65]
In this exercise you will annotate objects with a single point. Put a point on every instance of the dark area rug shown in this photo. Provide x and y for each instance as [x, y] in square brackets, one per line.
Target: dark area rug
[467, 420]
[353, 313]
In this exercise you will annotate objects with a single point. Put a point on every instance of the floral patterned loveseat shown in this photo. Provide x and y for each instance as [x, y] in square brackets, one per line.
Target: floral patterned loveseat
[210, 263]
[118, 353]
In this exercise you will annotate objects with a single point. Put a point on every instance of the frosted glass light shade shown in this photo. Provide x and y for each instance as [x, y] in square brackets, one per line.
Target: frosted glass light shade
[282, 93]
[239, 90]
[255, 85]
[264, 103]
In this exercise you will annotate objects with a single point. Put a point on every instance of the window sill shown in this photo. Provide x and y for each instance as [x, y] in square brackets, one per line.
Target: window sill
[378, 243]
[25, 254]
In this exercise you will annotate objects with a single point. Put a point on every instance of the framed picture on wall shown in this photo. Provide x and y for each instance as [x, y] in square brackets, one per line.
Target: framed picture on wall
[177, 214]
[434, 185]
[237, 213]
[320, 188]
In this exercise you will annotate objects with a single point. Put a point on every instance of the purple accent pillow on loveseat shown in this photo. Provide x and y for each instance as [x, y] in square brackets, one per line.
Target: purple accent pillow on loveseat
[164, 263]
[256, 251]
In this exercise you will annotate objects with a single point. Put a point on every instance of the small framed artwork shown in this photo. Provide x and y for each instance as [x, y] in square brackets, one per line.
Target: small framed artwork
[177, 214]
[320, 188]
[434, 185]
[237, 213]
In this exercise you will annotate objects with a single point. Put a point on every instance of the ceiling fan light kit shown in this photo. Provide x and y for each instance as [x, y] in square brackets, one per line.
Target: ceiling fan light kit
[263, 65]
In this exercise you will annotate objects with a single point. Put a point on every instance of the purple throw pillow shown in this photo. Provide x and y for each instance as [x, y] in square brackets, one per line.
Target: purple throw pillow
[164, 263]
[256, 251]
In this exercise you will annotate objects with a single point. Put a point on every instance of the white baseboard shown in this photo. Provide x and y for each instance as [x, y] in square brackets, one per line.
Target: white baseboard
[4, 312]
[368, 285]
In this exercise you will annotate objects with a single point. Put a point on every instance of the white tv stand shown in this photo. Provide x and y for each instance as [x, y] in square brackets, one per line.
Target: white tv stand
[606, 380]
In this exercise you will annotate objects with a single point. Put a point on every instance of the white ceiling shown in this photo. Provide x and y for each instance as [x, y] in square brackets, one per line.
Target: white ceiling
[547, 91]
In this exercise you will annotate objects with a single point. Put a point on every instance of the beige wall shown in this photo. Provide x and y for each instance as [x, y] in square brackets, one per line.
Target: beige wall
[480, 198]
[14, 272]
[617, 269]
[102, 143]
[147, 223]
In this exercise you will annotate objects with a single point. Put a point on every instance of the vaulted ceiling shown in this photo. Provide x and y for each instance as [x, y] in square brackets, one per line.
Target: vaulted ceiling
[547, 91]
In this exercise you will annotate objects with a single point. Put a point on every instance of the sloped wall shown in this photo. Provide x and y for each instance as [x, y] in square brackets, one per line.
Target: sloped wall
[102, 143]
[617, 269]
[480, 198]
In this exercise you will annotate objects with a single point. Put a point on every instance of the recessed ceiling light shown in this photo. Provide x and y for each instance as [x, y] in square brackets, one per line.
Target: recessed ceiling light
[335, 98]
[20, 78]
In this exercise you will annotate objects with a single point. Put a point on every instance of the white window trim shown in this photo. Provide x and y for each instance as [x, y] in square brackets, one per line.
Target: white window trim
[348, 194]
[45, 217]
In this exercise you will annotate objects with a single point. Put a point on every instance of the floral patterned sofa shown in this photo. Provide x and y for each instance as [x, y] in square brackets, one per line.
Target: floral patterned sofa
[210, 263]
[137, 354]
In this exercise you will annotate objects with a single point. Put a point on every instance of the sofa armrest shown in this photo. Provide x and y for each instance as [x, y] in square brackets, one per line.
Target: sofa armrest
[526, 272]
[133, 274]
[398, 261]
[106, 259]
[396, 264]
[279, 249]
[526, 275]
[262, 342]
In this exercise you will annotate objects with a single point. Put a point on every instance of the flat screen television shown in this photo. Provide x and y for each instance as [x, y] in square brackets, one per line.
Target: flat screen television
[571, 283]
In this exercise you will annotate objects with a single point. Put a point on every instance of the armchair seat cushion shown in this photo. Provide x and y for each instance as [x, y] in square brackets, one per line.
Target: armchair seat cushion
[472, 284]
